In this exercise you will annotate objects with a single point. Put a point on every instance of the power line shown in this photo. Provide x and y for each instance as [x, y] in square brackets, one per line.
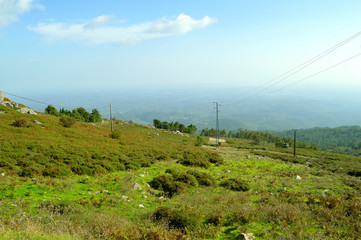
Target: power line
[324, 70]
[297, 69]
[32, 100]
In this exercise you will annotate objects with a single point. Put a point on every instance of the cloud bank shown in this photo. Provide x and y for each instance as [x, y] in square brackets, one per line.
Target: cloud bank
[103, 29]
[10, 10]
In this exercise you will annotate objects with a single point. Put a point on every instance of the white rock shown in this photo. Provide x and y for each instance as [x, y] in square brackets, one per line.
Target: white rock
[245, 236]
[125, 197]
[142, 175]
[105, 191]
[136, 186]
[141, 205]
[145, 196]
[27, 110]
[298, 177]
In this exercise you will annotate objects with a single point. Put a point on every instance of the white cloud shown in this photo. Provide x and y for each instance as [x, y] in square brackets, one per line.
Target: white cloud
[102, 29]
[11, 9]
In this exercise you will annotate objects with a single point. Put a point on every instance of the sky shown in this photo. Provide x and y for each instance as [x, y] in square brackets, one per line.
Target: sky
[88, 45]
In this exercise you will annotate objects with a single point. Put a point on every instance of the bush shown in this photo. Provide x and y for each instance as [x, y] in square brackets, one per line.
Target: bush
[67, 121]
[187, 179]
[215, 158]
[165, 183]
[115, 135]
[202, 177]
[21, 122]
[235, 184]
[177, 219]
[192, 159]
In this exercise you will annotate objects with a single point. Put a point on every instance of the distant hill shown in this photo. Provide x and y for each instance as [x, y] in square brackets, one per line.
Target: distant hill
[345, 139]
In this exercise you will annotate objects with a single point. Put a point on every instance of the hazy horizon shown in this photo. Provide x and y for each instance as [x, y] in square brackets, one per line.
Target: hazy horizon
[158, 57]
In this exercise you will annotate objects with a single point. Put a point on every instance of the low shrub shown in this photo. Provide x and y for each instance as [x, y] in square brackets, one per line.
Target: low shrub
[21, 122]
[115, 135]
[235, 184]
[67, 121]
[215, 158]
[187, 179]
[164, 183]
[202, 177]
[177, 219]
[193, 159]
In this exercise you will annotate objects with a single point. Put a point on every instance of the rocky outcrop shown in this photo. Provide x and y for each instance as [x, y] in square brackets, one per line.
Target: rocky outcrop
[5, 101]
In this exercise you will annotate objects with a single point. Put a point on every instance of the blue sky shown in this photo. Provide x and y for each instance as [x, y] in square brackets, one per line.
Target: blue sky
[48, 45]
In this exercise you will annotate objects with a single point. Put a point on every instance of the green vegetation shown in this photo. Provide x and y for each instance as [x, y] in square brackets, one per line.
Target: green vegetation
[346, 139]
[85, 183]
[79, 113]
[258, 137]
[175, 126]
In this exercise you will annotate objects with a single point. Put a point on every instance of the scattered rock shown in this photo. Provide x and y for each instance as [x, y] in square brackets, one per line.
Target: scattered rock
[324, 192]
[136, 186]
[27, 110]
[141, 205]
[286, 145]
[37, 122]
[105, 191]
[125, 197]
[259, 157]
[228, 171]
[308, 163]
[248, 156]
[245, 236]
[161, 197]
[298, 177]
[142, 175]
[145, 196]
[5, 101]
[2, 174]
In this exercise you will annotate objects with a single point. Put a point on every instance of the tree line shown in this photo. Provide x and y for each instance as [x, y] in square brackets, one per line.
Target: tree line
[257, 137]
[78, 113]
[175, 126]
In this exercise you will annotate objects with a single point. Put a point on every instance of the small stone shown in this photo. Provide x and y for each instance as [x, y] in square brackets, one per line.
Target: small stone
[141, 205]
[105, 191]
[248, 156]
[298, 177]
[145, 196]
[161, 197]
[37, 122]
[228, 171]
[245, 236]
[2, 174]
[125, 197]
[142, 175]
[136, 186]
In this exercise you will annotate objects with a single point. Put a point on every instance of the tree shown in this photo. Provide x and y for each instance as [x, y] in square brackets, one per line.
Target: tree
[85, 116]
[95, 116]
[51, 110]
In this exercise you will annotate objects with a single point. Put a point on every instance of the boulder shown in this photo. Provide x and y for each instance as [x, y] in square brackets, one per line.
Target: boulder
[136, 186]
[4, 100]
[245, 236]
[27, 110]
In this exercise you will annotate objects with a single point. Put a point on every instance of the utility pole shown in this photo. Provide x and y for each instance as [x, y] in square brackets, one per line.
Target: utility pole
[217, 105]
[111, 118]
[294, 142]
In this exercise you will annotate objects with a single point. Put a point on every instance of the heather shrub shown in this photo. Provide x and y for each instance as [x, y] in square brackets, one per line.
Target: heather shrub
[177, 219]
[21, 122]
[202, 177]
[165, 183]
[67, 121]
[235, 184]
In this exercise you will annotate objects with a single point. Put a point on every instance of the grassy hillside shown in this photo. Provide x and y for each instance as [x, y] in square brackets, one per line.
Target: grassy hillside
[79, 183]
